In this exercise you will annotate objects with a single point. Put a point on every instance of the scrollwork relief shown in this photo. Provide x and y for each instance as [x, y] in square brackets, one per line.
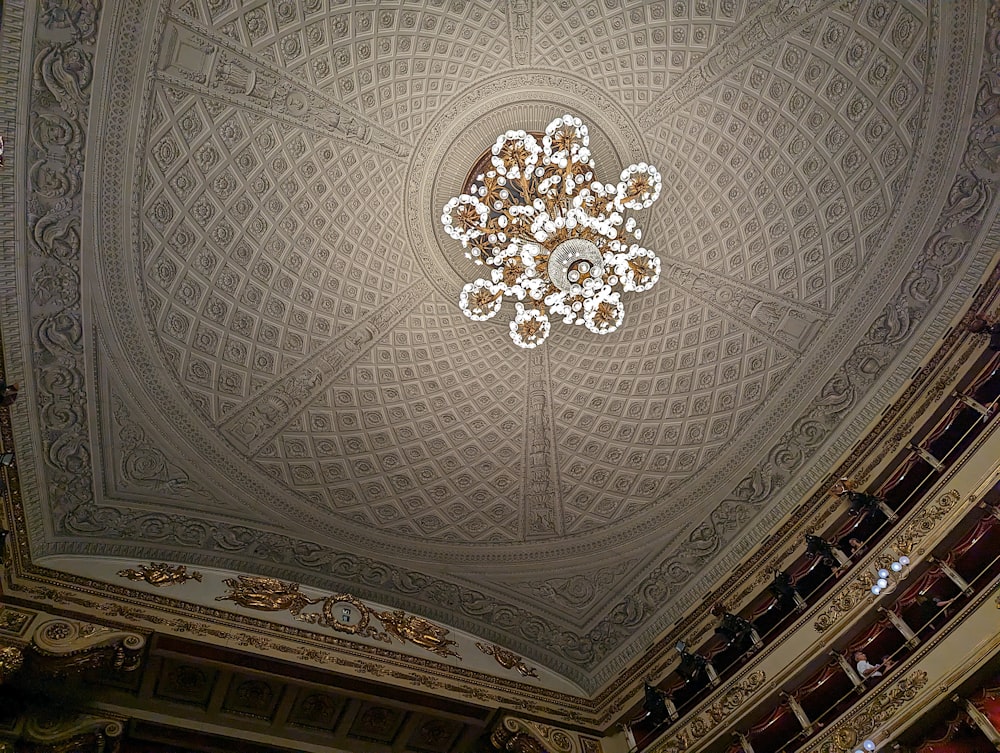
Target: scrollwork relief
[925, 521]
[507, 659]
[714, 715]
[848, 733]
[80, 16]
[578, 591]
[846, 600]
[63, 646]
[145, 465]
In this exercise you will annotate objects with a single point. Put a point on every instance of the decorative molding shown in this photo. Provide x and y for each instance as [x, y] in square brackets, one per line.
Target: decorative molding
[15, 622]
[847, 598]
[195, 58]
[160, 574]
[852, 593]
[578, 592]
[924, 522]
[63, 646]
[765, 27]
[11, 661]
[514, 735]
[263, 417]
[519, 27]
[341, 612]
[714, 715]
[542, 505]
[788, 323]
[145, 465]
[849, 732]
[507, 659]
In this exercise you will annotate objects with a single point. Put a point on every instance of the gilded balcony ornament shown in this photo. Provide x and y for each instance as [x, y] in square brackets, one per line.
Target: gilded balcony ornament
[708, 719]
[507, 659]
[160, 574]
[848, 733]
[926, 521]
[855, 592]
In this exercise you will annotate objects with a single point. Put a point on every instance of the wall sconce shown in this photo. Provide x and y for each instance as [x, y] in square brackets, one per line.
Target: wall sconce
[889, 578]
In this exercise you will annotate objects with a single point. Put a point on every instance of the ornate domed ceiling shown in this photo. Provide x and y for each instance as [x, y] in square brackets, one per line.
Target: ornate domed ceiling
[237, 309]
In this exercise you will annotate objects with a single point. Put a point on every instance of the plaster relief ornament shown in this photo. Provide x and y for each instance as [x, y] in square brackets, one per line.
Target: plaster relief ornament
[556, 240]
[507, 659]
[341, 612]
[160, 574]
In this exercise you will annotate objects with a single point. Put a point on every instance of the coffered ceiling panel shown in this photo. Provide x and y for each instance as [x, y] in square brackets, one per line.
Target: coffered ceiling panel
[233, 211]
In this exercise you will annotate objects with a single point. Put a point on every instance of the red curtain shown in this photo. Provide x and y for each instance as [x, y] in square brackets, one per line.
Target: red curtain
[777, 730]
[918, 588]
[942, 426]
[958, 735]
[825, 690]
[986, 387]
[983, 528]
[905, 480]
[881, 640]
[987, 700]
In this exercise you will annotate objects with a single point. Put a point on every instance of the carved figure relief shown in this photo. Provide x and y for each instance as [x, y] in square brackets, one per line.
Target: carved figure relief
[160, 574]
[341, 612]
[507, 659]
[266, 594]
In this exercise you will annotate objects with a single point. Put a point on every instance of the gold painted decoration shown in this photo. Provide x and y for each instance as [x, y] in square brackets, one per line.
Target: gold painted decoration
[906, 542]
[925, 522]
[366, 661]
[266, 594]
[507, 659]
[14, 621]
[341, 612]
[11, 660]
[712, 716]
[408, 627]
[160, 574]
[848, 734]
[856, 591]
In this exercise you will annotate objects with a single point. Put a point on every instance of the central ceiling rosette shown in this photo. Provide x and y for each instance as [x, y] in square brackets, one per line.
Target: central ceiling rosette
[557, 240]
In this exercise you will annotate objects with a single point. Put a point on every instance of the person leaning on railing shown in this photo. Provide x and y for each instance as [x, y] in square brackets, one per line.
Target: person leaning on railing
[8, 393]
[981, 323]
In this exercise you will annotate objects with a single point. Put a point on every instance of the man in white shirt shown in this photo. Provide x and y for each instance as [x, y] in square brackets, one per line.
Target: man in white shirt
[867, 670]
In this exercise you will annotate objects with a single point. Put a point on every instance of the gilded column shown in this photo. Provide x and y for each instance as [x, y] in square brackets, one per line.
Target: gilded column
[900, 624]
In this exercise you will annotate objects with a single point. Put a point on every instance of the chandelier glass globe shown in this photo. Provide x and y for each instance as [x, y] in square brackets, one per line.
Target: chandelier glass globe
[557, 241]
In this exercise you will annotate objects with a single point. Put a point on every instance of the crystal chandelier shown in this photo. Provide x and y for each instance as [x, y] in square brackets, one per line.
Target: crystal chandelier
[556, 240]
